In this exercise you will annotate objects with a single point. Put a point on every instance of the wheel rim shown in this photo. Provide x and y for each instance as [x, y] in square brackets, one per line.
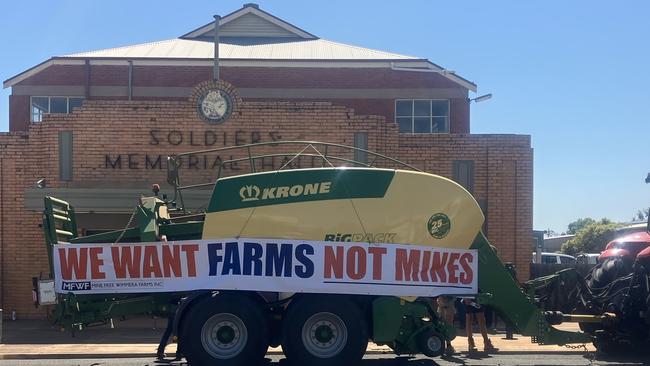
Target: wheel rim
[434, 343]
[324, 335]
[224, 335]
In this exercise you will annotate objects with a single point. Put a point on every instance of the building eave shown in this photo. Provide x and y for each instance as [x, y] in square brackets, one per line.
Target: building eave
[147, 61]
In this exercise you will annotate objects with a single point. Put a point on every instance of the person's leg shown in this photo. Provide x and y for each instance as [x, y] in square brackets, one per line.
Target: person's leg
[469, 320]
[446, 311]
[488, 347]
[165, 337]
[448, 316]
[480, 319]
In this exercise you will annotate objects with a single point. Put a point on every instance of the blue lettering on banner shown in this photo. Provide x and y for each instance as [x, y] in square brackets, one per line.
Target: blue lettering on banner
[278, 260]
[231, 260]
[255, 259]
[305, 270]
[213, 257]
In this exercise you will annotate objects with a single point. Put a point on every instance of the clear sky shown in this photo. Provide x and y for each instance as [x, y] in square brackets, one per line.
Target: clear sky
[572, 74]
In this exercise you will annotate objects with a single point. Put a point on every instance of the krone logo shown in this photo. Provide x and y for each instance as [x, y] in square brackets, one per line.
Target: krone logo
[439, 225]
[249, 193]
[254, 193]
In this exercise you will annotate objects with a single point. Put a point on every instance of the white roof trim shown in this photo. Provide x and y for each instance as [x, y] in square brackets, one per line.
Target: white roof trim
[415, 64]
[38, 68]
[431, 67]
[250, 10]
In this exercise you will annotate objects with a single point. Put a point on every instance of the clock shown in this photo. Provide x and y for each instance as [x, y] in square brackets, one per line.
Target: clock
[214, 105]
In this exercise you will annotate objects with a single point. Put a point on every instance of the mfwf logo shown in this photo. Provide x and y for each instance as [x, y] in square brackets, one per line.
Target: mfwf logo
[254, 193]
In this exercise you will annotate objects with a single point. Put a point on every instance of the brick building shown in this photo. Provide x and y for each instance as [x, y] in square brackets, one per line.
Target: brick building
[97, 126]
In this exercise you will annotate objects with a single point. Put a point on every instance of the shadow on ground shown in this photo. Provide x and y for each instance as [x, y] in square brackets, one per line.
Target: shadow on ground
[131, 331]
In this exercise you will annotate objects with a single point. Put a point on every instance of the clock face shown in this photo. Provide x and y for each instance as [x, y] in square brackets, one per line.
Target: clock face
[215, 105]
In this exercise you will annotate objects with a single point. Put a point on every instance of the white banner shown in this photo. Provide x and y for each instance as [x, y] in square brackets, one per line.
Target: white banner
[276, 265]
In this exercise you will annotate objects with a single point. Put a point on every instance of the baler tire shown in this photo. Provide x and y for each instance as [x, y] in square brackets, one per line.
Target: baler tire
[431, 344]
[236, 333]
[332, 317]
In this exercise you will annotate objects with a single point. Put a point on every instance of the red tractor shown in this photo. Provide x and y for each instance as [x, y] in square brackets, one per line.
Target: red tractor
[617, 288]
[620, 285]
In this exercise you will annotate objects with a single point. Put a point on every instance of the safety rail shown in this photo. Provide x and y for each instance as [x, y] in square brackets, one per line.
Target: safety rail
[321, 150]
[59, 220]
[59, 224]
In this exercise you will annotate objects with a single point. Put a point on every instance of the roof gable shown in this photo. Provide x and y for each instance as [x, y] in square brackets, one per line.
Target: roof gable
[249, 21]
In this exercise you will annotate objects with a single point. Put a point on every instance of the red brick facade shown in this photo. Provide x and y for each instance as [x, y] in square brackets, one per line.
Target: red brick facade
[138, 131]
[113, 83]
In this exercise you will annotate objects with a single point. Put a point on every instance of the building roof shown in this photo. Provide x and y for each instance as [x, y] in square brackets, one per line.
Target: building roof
[249, 37]
[250, 48]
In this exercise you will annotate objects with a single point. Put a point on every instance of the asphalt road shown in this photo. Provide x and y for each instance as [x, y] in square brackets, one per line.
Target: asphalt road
[554, 359]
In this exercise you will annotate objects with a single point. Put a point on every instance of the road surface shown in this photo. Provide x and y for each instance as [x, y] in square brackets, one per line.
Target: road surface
[551, 359]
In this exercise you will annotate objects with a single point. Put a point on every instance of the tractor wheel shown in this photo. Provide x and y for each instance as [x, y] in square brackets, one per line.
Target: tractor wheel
[608, 271]
[226, 330]
[324, 330]
[431, 344]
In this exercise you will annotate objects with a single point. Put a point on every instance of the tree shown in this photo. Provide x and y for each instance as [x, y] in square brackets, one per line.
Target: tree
[592, 238]
[641, 215]
[579, 224]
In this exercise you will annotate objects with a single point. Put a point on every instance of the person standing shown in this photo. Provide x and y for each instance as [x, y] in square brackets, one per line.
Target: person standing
[474, 310]
[160, 354]
[447, 310]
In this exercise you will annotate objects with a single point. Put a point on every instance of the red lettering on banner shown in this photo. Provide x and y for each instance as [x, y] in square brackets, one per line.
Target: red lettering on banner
[452, 267]
[333, 262]
[190, 250]
[407, 264]
[71, 261]
[467, 276]
[356, 263]
[377, 254]
[151, 264]
[437, 271]
[95, 263]
[426, 262]
[171, 261]
[125, 260]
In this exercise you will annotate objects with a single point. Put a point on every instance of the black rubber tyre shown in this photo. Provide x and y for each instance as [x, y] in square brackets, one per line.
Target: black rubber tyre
[225, 330]
[324, 331]
[431, 344]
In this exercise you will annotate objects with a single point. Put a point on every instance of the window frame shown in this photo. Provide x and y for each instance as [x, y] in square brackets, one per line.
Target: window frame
[431, 116]
[49, 104]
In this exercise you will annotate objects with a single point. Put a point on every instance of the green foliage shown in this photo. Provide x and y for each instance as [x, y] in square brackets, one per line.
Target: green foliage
[592, 238]
[579, 224]
[641, 215]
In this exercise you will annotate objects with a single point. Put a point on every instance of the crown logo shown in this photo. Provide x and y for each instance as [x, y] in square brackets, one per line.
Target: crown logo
[249, 193]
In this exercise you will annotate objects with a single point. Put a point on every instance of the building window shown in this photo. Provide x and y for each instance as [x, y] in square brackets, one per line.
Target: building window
[422, 115]
[44, 105]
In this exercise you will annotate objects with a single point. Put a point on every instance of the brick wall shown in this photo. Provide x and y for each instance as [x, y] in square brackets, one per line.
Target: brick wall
[140, 131]
[243, 77]
[251, 77]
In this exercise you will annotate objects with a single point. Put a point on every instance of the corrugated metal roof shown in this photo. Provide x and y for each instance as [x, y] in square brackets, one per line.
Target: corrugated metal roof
[276, 49]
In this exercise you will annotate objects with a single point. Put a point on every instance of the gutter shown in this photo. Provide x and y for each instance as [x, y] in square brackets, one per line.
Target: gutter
[435, 69]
